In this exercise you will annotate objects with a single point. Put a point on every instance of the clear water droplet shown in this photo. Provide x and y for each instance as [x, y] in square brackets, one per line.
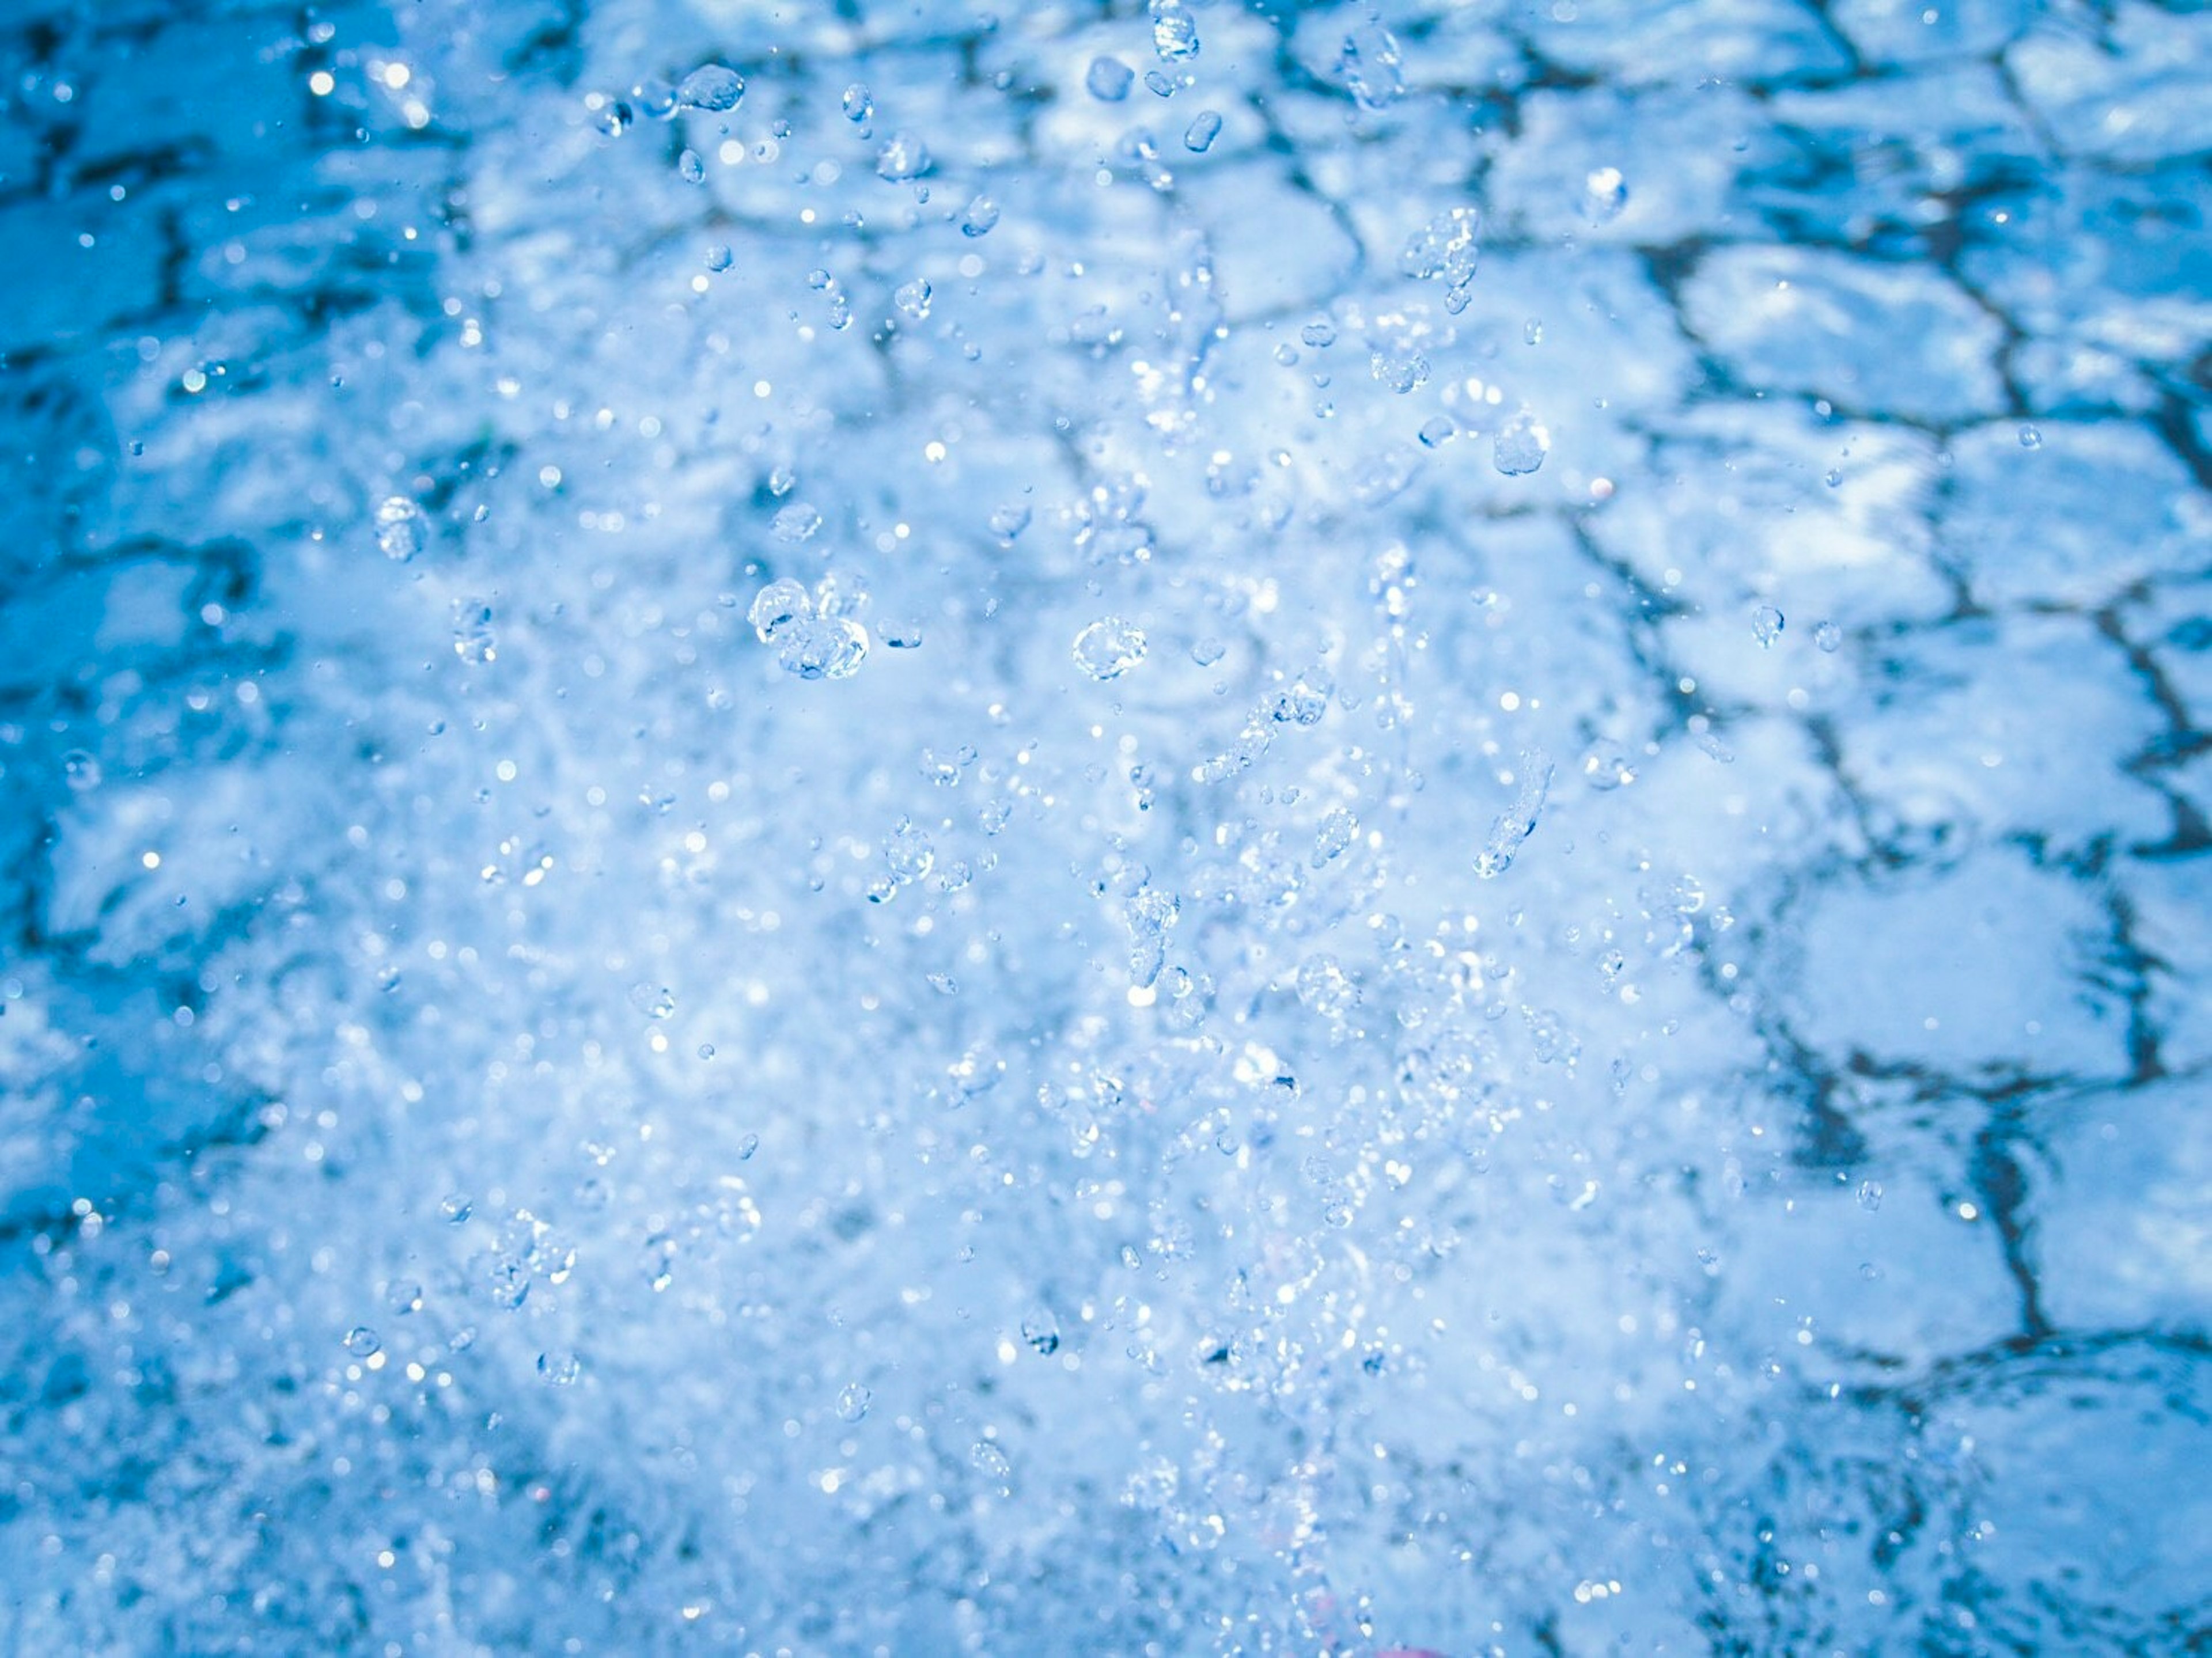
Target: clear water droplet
[1208, 650]
[1828, 636]
[796, 522]
[1520, 447]
[1204, 127]
[1435, 433]
[852, 1402]
[858, 105]
[1447, 249]
[903, 156]
[1175, 31]
[1108, 80]
[654, 1001]
[1766, 626]
[1605, 193]
[405, 1296]
[823, 647]
[362, 1341]
[2030, 438]
[1869, 1194]
[777, 606]
[1041, 1332]
[913, 298]
[991, 1462]
[402, 531]
[979, 219]
[718, 256]
[473, 639]
[1009, 521]
[713, 88]
[1518, 821]
[81, 769]
[456, 1208]
[691, 168]
[1109, 648]
[1371, 65]
[560, 1368]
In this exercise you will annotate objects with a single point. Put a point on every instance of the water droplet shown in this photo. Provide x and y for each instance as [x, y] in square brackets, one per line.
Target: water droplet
[691, 168]
[778, 605]
[1204, 127]
[1150, 916]
[560, 1368]
[1435, 433]
[1518, 821]
[1208, 650]
[2030, 438]
[944, 984]
[903, 157]
[1828, 636]
[1008, 522]
[1319, 333]
[81, 770]
[1605, 193]
[362, 1341]
[908, 853]
[796, 522]
[405, 1296]
[456, 1208]
[1869, 1194]
[1040, 1330]
[653, 1000]
[859, 106]
[1108, 79]
[718, 256]
[401, 529]
[823, 647]
[1369, 64]
[1335, 834]
[852, 1402]
[1520, 447]
[1175, 31]
[913, 298]
[713, 88]
[981, 215]
[991, 1462]
[1109, 648]
[1447, 249]
[1532, 331]
[1606, 768]
[1766, 626]
[473, 641]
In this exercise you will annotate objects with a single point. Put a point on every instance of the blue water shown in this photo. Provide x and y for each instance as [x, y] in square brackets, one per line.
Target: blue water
[1219, 829]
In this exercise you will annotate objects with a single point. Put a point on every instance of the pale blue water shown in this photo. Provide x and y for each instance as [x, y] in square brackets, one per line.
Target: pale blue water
[848, 828]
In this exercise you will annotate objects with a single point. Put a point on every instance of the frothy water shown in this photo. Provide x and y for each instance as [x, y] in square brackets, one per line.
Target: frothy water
[887, 829]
